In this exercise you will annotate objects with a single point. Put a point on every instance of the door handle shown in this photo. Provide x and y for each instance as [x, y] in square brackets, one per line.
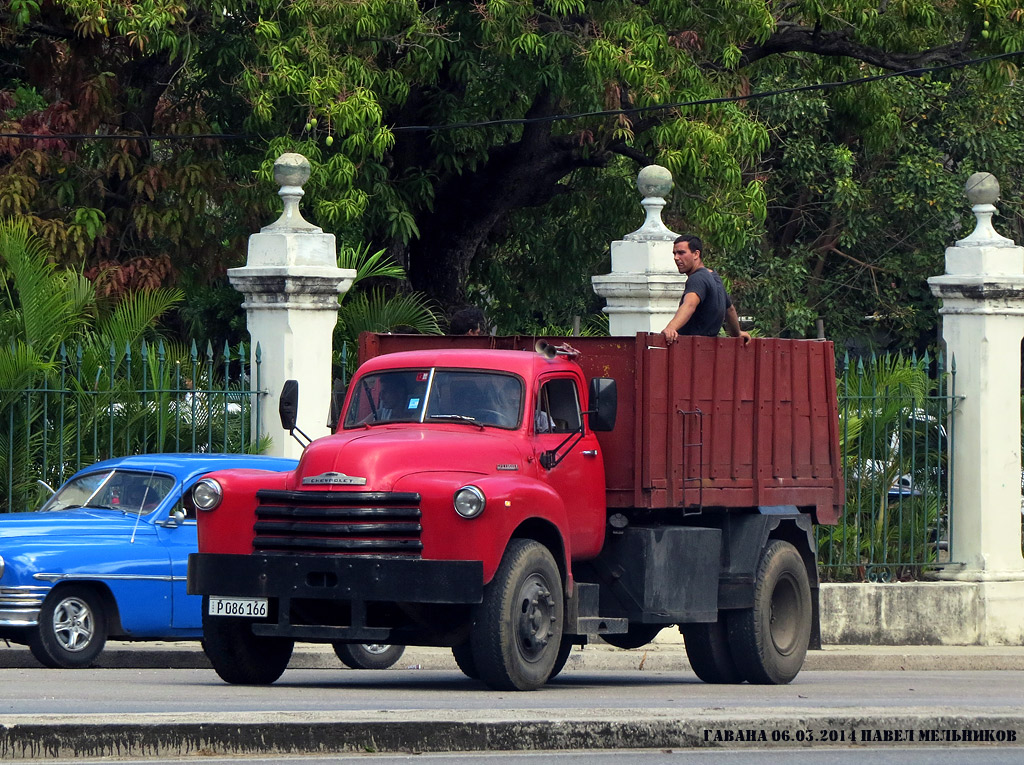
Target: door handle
[590, 452]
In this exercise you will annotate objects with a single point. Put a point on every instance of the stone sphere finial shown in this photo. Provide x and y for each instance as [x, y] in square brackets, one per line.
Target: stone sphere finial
[982, 189]
[654, 181]
[983, 192]
[291, 169]
[290, 172]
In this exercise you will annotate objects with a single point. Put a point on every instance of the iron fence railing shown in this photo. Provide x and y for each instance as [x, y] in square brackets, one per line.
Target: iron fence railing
[141, 400]
[896, 435]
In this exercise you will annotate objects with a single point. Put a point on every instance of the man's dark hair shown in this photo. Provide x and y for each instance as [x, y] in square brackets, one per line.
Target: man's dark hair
[466, 320]
[693, 242]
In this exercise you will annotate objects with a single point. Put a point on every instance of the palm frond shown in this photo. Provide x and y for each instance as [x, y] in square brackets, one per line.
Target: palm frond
[377, 313]
[368, 265]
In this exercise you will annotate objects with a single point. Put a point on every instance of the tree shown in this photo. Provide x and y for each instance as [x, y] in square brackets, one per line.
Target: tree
[369, 90]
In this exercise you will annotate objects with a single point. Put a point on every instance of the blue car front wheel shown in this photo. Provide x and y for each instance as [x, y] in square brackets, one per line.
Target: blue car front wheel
[72, 628]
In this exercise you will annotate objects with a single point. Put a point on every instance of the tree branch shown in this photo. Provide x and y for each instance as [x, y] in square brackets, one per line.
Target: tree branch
[790, 38]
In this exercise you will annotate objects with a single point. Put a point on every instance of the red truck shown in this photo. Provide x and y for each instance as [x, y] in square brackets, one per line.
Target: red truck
[510, 502]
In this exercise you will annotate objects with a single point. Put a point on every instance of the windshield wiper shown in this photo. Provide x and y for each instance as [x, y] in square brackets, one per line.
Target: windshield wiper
[457, 418]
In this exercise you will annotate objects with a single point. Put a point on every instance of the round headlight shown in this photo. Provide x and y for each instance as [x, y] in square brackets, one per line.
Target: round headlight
[207, 494]
[1, 566]
[469, 502]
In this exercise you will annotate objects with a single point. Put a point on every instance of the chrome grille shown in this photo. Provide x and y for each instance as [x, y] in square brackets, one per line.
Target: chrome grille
[338, 523]
[25, 596]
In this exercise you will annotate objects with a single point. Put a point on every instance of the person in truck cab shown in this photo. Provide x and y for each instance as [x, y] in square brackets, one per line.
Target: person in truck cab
[705, 305]
[393, 399]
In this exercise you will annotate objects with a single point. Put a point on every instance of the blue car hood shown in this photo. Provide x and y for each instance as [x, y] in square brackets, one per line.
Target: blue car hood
[70, 523]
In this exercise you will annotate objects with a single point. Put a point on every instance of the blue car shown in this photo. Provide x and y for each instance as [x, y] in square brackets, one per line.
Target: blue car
[106, 557]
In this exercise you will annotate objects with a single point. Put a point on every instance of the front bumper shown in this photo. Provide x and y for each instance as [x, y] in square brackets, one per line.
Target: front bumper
[19, 606]
[325, 580]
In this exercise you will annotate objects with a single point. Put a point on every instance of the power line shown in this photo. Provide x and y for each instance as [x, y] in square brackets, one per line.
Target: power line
[824, 86]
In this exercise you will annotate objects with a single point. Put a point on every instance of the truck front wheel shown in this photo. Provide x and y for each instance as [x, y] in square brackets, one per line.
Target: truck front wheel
[517, 633]
[238, 656]
[769, 641]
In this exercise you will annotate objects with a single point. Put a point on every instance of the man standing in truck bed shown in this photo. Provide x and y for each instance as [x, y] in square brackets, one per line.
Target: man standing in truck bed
[705, 304]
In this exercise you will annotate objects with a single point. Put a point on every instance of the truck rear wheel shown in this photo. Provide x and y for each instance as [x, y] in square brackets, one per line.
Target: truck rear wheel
[238, 656]
[463, 654]
[517, 634]
[707, 649]
[769, 641]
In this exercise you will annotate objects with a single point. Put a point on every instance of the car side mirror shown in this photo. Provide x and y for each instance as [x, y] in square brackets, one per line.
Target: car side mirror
[604, 404]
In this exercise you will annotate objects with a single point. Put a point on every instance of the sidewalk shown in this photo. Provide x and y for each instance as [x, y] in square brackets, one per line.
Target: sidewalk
[666, 653]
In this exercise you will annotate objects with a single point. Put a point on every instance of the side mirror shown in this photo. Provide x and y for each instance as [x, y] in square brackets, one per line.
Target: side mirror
[289, 405]
[604, 404]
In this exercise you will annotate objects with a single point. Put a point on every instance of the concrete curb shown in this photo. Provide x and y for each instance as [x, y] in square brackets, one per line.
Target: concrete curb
[305, 733]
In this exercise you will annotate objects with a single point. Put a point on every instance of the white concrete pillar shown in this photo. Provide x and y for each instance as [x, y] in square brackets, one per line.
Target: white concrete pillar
[644, 287]
[982, 311]
[291, 282]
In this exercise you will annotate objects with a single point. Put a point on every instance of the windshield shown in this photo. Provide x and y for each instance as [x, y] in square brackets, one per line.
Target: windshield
[113, 490]
[436, 395]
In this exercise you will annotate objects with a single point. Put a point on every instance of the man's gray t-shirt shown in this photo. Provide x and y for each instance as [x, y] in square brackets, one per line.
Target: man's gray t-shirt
[707, 319]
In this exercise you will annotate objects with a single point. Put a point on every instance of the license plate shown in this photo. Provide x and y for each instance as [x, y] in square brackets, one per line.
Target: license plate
[253, 607]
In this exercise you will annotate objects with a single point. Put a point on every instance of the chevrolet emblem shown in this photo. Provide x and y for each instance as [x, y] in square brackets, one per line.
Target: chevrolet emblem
[333, 479]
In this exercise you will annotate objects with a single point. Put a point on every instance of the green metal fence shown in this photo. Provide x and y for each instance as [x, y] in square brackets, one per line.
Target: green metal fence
[896, 434]
[140, 400]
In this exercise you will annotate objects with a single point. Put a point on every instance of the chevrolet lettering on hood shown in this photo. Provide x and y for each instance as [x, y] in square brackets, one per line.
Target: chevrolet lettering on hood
[333, 479]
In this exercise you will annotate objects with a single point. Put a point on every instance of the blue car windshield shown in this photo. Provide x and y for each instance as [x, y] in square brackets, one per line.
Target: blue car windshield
[125, 490]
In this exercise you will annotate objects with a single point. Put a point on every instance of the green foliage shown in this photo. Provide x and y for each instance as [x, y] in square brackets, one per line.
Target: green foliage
[373, 309]
[817, 205]
[78, 383]
[866, 188]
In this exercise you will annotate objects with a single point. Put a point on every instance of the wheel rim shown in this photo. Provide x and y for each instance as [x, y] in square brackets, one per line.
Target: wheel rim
[375, 648]
[73, 625]
[536, 617]
[784, 624]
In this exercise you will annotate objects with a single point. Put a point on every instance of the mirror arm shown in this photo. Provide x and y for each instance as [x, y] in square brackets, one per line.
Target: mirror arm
[551, 457]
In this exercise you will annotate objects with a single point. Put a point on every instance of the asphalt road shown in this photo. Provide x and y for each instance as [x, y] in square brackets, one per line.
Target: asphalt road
[174, 712]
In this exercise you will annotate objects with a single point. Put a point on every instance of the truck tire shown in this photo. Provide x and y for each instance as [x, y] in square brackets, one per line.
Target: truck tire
[707, 649]
[368, 655]
[72, 628]
[769, 641]
[463, 654]
[517, 632]
[638, 635]
[238, 656]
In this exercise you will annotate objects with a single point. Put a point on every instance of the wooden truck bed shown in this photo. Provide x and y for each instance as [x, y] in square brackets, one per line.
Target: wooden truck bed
[704, 422]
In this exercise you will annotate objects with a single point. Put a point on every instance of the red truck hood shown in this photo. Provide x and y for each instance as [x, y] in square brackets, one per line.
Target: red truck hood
[385, 454]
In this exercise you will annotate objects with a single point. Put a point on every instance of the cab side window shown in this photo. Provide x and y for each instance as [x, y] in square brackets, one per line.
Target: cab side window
[558, 407]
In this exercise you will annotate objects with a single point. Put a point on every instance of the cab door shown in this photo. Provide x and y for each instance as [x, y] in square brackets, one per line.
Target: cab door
[570, 462]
